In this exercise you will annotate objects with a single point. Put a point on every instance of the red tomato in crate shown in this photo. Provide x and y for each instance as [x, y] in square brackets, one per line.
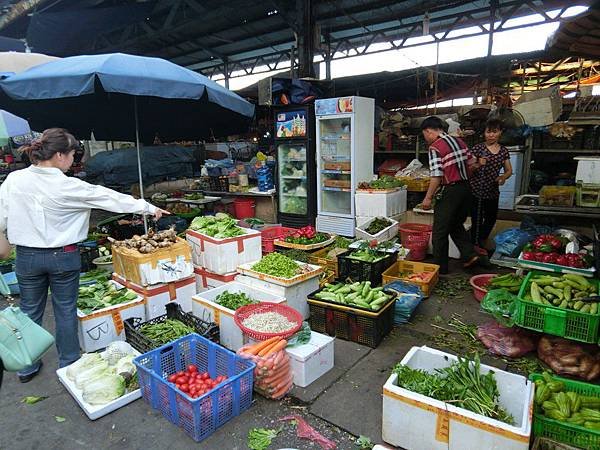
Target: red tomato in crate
[192, 369]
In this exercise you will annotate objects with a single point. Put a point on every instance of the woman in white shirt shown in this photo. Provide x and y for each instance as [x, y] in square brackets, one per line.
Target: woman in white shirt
[45, 214]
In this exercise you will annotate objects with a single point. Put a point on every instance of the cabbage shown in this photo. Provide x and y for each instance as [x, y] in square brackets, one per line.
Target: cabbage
[86, 361]
[117, 350]
[104, 389]
[125, 367]
[83, 377]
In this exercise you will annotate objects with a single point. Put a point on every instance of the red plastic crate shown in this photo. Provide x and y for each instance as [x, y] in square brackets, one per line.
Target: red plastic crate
[270, 234]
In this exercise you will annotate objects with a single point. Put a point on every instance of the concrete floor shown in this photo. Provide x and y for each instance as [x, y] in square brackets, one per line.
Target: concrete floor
[342, 405]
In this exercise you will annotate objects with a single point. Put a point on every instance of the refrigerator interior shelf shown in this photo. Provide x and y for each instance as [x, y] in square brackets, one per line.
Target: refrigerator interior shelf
[337, 172]
[325, 188]
[336, 158]
[294, 160]
[292, 195]
[335, 138]
[289, 177]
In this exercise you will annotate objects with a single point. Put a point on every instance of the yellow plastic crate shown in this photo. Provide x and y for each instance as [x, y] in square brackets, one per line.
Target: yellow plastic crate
[401, 267]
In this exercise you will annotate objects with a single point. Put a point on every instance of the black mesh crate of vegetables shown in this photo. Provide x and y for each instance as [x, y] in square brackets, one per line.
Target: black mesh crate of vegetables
[351, 324]
[144, 344]
[357, 270]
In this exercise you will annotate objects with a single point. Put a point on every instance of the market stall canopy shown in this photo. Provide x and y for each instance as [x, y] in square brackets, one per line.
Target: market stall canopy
[15, 62]
[12, 126]
[579, 36]
[99, 93]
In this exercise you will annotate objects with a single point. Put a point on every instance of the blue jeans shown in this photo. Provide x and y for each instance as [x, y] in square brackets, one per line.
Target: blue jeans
[39, 269]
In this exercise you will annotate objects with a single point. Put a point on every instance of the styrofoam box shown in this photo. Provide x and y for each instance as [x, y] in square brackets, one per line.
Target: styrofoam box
[360, 220]
[206, 280]
[100, 328]
[588, 169]
[386, 204]
[205, 308]
[384, 235]
[223, 256]
[96, 411]
[295, 295]
[414, 421]
[312, 360]
[158, 295]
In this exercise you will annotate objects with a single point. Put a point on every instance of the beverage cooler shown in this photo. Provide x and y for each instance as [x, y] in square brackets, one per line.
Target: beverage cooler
[345, 128]
[296, 171]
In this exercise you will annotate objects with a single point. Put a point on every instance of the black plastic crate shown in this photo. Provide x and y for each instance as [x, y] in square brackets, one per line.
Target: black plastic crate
[364, 271]
[349, 323]
[144, 344]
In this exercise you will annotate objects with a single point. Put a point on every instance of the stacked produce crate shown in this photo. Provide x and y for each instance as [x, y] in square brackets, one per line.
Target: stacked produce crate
[219, 246]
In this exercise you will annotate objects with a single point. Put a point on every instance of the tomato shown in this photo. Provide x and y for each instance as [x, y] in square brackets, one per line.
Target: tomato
[562, 260]
[192, 368]
[181, 380]
[172, 378]
[180, 374]
[185, 387]
[205, 376]
[529, 256]
[550, 258]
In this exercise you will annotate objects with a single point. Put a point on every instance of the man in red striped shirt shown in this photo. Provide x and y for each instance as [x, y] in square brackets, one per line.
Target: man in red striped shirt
[450, 164]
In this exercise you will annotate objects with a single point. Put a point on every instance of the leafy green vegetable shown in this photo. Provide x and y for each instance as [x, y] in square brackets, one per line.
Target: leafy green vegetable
[318, 237]
[364, 443]
[378, 224]
[59, 419]
[86, 361]
[461, 384]
[102, 295]
[342, 242]
[104, 389]
[277, 265]
[96, 275]
[32, 400]
[295, 254]
[234, 301]
[164, 332]
[260, 438]
[385, 182]
[301, 337]
[220, 228]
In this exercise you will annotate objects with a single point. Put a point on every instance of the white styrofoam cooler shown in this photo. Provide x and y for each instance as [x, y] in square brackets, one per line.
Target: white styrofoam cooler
[295, 295]
[206, 280]
[99, 328]
[158, 295]
[312, 360]
[386, 204]
[386, 234]
[205, 308]
[96, 411]
[414, 421]
[222, 256]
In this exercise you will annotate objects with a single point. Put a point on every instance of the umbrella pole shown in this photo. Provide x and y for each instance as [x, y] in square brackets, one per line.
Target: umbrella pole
[139, 160]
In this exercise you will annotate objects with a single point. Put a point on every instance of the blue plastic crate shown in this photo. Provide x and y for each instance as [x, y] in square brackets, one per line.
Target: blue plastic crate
[199, 417]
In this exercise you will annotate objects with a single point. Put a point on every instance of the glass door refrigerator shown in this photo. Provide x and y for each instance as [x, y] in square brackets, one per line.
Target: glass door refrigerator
[345, 128]
[296, 171]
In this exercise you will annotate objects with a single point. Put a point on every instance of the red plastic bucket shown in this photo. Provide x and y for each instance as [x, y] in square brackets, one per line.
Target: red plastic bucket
[244, 208]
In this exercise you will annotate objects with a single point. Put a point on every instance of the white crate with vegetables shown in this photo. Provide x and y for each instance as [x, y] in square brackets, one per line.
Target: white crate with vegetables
[206, 280]
[220, 245]
[218, 305]
[414, 419]
[158, 296]
[312, 360]
[102, 382]
[386, 203]
[380, 229]
[101, 309]
[285, 277]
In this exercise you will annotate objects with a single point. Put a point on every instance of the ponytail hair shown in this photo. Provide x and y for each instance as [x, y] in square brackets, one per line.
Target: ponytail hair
[53, 140]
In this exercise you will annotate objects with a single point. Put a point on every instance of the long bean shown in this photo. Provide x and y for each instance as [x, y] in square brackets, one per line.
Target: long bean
[165, 332]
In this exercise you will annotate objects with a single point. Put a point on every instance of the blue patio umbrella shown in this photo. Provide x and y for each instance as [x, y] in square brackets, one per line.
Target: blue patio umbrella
[11, 126]
[124, 97]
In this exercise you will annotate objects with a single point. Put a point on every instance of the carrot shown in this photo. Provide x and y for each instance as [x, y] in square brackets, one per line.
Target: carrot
[281, 392]
[283, 358]
[255, 349]
[265, 351]
[276, 378]
[277, 347]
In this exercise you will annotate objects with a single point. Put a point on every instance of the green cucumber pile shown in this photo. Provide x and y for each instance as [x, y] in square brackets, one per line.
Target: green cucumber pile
[566, 291]
[355, 294]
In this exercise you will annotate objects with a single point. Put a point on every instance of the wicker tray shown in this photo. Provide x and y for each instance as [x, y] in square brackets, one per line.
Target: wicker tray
[246, 269]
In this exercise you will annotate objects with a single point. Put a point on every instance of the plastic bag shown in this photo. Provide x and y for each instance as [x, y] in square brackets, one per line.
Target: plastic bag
[272, 374]
[501, 304]
[409, 297]
[570, 358]
[506, 341]
[305, 431]
[511, 241]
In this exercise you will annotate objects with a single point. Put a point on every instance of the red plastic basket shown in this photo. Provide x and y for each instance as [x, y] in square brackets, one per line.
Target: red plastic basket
[290, 313]
[418, 252]
[270, 234]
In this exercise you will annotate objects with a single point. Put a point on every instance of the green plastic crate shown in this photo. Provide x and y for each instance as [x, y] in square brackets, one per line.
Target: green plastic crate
[548, 319]
[567, 432]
